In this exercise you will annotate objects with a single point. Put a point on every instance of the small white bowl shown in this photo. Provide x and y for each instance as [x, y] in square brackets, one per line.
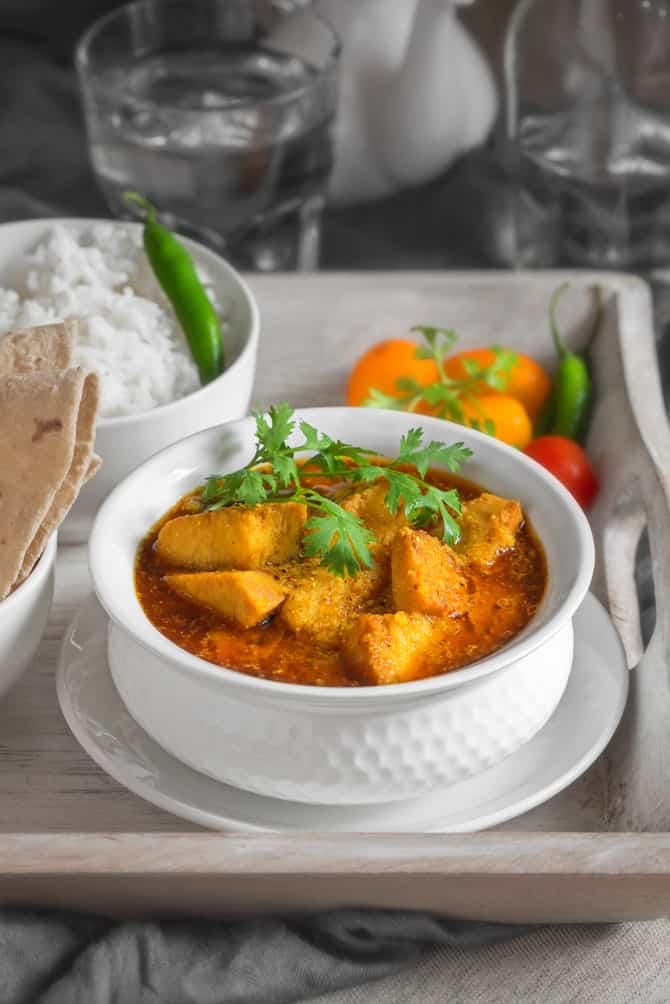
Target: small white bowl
[340, 745]
[125, 442]
[23, 617]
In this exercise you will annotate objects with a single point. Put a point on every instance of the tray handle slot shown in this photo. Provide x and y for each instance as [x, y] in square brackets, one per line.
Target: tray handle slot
[620, 514]
[656, 498]
[620, 541]
[636, 793]
[630, 441]
[618, 544]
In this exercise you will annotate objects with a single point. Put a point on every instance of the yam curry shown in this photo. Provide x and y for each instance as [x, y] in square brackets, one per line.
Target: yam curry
[346, 570]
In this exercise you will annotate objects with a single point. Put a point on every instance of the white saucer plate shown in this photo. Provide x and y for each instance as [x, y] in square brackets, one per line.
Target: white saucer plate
[578, 732]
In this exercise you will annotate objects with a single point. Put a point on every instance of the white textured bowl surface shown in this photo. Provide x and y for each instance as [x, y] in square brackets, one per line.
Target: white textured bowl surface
[340, 745]
[23, 618]
[317, 755]
[125, 442]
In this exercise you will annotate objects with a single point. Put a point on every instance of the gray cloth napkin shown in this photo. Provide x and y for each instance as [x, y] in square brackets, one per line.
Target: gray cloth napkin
[48, 958]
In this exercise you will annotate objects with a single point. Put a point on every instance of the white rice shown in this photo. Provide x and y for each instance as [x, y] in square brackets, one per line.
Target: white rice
[127, 332]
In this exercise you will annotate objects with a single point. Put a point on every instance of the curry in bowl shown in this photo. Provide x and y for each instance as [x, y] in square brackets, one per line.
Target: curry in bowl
[344, 569]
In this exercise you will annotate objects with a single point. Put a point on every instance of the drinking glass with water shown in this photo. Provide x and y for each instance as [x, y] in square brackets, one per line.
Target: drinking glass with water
[588, 130]
[220, 112]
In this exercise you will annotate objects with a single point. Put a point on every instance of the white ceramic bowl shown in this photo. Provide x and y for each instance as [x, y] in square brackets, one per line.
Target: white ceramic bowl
[340, 745]
[23, 617]
[125, 442]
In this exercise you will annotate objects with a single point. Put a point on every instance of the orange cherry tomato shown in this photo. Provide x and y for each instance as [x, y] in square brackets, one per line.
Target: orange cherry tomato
[568, 462]
[527, 381]
[510, 419]
[385, 363]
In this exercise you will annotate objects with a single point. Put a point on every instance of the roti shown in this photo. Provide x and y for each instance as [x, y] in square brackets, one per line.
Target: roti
[45, 452]
[48, 410]
[83, 460]
[48, 347]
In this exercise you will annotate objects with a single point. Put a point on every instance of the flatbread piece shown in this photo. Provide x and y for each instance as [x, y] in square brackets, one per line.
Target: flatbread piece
[44, 450]
[77, 475]
[30, 350]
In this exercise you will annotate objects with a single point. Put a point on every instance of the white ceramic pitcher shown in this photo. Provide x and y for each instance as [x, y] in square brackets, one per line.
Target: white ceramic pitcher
[415, 92]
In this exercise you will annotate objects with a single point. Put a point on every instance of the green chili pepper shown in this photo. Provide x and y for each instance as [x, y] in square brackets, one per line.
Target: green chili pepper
[568, 407]
[175, 271]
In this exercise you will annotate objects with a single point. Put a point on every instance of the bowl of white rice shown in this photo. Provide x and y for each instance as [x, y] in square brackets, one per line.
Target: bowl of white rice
[97, 272]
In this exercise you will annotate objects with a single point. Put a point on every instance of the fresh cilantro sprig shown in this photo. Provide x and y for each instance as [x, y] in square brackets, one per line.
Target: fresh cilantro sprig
[446, 396]
[338, 537]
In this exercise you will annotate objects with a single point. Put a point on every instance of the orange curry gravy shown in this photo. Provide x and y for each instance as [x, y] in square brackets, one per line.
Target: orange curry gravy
[504, 596]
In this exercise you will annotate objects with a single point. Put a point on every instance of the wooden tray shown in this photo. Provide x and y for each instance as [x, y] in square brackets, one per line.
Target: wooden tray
[70, 836]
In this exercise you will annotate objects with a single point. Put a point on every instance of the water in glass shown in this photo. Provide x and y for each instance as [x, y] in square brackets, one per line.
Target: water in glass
[588, 86]
[234, 179]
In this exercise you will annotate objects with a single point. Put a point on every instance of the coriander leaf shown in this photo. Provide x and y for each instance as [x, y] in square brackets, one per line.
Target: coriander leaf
[409, 443]
[377, 399]
[421, 507]
[220, 491]
[368, 472]
[444, 401]
[248, 486]
[403, 490]
[497, 374]
[271, 436]
[445, 396]
[451, 531]
[448, 497]
[409, 395]
[286, 469]
[411, 452]
[440, 341]
[212, 488]
[435, 504]
[338, 537]
[454, 456]
[330, 458]
[408, 385]
[254, 486]
[497, 381]
[506, 359]
[314, 440]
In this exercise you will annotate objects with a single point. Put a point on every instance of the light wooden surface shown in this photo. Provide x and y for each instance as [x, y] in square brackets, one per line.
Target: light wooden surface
[71, 835]
[517, 877]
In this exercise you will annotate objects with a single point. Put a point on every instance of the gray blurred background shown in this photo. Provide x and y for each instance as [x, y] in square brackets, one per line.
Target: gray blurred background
[459, 220]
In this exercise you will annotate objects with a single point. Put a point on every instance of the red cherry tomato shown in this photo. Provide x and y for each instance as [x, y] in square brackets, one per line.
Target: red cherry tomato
[567, 461]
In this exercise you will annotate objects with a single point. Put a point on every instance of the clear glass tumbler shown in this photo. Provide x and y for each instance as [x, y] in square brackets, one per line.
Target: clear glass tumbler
[588, 132]
[220, 112]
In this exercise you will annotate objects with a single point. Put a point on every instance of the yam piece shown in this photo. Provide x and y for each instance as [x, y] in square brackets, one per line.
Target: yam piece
[237, 537]
[489, 525]
[369, 505]
[245, 598]
[322, 605]
[389, 648]
[426, 576]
